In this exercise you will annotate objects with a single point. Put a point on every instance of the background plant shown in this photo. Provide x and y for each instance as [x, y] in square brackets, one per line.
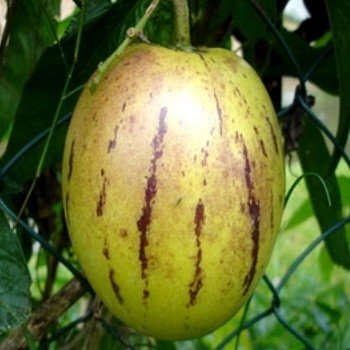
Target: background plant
[44, 63]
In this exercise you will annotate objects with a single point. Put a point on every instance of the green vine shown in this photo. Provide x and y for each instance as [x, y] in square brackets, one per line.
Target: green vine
[182, 25]
[182, 37]
[131, 34]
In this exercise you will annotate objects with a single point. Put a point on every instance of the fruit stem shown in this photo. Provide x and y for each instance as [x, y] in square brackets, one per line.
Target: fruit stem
[182, 25]
[132, 33]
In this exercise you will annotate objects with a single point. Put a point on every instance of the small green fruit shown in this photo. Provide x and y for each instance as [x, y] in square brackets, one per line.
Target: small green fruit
[173, 184]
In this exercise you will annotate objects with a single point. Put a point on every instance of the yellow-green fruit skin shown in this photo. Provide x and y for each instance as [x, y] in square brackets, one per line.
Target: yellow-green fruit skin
[173, 185]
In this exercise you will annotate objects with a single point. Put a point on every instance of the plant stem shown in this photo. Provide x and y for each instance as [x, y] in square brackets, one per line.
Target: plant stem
[45, 315]
[182, 25]
[131, 34]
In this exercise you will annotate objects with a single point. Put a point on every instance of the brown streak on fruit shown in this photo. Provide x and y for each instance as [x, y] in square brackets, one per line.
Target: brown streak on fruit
[70, 161]
[203, 60]
[102, 196]
[115, 286]
[197, 283]
[219, 111]
[248, 113]
[218, 108]
[113, 142]
[67, 209]
[263, 148]
[254, 213]
[178, 202]
[205, 157]
[274, 138]
[105, 250]
[124, 106]
[231, 64]
[237, 91]
[123, 233]
[106, 253]
[238, 137]
[150, 192]
[111, 145]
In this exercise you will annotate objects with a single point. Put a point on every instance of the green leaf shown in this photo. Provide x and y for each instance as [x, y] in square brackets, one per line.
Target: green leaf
[339, 14]
[225, 10]
[344, 184]
[332, 312]
[165, 345]
[325, 75]
[14, 280]
[326, 265]
[41, 95]
[314, 156]
[302, 213]
[160, 30]
[244, 15]
[260, 36]
[30, 32]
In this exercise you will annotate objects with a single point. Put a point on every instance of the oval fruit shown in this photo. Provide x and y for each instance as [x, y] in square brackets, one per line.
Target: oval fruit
[173, 184]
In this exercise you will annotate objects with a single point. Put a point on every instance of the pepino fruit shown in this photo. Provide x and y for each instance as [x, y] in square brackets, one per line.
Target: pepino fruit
[173, 184]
